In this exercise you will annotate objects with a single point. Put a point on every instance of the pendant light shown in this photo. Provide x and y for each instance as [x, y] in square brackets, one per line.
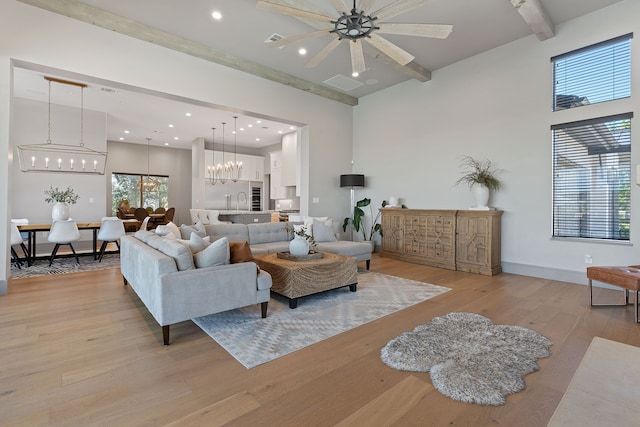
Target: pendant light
[213, 170]
[62, 158]
[224, 168]
[149, 184]
[235, 167]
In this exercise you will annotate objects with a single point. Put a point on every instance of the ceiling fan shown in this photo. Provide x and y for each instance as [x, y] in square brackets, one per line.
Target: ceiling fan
[355, 25]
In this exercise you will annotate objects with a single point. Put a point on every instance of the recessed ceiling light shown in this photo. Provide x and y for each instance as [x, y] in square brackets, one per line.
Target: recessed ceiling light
[233, 132]
[250, 126]
[188, 114]
[126, 131]
[170, 125]
[216, 15]
[291, 127]
[242, 129]
[121, 139]
[176, 138]
[279, 131]
[258, 121]
[258, 139]
[302, 51]
[166, 143]
[355, 74]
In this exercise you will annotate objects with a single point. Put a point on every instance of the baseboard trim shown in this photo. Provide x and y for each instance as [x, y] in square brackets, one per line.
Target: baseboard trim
[4, 287]
[559, 274]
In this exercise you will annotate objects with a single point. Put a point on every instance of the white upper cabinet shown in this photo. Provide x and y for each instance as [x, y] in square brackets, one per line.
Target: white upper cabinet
[289, 159]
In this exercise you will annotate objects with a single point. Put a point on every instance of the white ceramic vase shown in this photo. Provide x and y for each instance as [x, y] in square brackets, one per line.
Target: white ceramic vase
[60, 212]
[481, 193]
[299, 247]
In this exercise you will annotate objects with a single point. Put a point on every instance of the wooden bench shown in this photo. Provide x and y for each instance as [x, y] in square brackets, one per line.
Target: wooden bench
[627, 278]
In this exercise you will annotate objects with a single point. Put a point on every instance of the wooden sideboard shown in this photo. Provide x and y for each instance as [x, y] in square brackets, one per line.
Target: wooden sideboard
[465, 240]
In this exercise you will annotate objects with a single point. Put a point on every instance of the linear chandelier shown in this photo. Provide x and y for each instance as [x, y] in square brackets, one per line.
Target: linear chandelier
[62, 158]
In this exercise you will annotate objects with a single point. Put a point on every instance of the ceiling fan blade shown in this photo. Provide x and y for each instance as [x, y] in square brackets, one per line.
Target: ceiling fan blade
[323, 53]
[396, 8]
[357, 57]
[298, 13]
[365, 5]
[292, 39]
[339, 6]
[437, 31]
[394, 52]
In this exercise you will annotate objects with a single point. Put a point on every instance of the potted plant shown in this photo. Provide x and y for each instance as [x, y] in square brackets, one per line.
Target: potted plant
[62, 200]
[480, 176]
[301, 242]
[357, 221]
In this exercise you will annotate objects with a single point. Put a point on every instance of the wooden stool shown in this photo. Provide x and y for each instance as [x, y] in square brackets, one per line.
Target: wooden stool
[627, 278]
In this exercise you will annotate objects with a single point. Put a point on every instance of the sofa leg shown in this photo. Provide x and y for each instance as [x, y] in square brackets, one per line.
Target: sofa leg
[124, 279]
[368, 263]
[263, 307]
[165, 334]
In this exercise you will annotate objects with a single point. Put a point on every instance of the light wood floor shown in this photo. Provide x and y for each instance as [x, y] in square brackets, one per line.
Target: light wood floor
[81, 350]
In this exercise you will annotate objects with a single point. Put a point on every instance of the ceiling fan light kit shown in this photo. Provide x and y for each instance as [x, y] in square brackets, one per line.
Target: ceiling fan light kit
[356, 25]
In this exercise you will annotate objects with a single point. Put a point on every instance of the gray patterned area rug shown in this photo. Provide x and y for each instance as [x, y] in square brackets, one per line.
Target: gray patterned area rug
[65, 265]
[469, 358]
[254, 341]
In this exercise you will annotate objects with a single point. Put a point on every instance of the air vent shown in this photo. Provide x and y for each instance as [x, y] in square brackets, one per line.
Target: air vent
[108, 90]
[343, 82]
[274, 38]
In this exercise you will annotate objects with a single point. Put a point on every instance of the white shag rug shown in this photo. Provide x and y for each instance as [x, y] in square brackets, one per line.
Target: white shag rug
[254, 341]
[468, 357]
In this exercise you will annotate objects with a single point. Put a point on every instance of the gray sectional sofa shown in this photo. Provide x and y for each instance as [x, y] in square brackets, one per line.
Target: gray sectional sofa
[163, 274]
[272, 237]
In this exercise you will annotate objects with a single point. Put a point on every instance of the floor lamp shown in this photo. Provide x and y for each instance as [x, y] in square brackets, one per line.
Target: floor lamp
[352, 181]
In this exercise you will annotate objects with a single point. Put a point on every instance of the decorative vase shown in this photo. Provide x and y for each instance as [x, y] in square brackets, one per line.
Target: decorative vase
[481, 194]
[60, 211]
[299, 247]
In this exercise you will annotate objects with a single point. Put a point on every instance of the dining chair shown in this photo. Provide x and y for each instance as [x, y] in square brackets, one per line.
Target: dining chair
[16, 239]
[160, 210]
[145, 221]
[141, 214]
[168, 216]
[111, 230]
[63, 233]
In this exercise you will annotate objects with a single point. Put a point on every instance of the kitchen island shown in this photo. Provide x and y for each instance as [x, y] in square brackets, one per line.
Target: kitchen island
[245, 217]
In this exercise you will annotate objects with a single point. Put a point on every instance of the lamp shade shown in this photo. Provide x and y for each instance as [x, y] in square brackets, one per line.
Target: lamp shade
[352, 180]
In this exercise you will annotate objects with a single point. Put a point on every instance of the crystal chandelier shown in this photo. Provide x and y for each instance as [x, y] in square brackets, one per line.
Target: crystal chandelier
[62, 158]
[235, 167]
[148, 184]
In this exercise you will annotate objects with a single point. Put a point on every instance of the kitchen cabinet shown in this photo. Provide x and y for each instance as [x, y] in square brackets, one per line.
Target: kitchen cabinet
[278, 191]
[289, 160]
[451, 239]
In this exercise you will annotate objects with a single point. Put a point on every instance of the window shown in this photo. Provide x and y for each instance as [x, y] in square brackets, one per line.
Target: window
[592, 178]
[136, 189]
[597, 73]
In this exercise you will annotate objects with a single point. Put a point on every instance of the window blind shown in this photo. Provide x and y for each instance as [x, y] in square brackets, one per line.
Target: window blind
[592, 178]
[596, 73]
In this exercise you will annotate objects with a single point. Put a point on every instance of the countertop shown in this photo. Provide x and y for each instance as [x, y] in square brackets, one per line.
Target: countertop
[241, 212]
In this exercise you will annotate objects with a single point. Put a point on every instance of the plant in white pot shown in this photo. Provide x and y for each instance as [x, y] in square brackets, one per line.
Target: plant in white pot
[61, 199]
[358, 221]
[481, 177]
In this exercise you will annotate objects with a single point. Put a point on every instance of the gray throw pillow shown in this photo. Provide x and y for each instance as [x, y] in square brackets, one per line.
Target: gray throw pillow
[323, 232]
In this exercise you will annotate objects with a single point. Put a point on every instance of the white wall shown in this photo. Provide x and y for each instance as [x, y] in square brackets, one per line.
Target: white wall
[408, 141]
[36, 36]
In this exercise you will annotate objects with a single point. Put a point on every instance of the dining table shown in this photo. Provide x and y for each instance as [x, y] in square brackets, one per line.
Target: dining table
[33, 229]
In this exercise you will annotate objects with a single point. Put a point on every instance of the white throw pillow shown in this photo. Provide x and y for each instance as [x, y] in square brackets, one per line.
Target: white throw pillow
[187, 230]
[203, 216]
[170, 227]
[217, 253]
[323, 231]
[196, 243]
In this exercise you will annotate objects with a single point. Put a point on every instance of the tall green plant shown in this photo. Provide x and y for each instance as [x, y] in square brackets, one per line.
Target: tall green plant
[368, 233]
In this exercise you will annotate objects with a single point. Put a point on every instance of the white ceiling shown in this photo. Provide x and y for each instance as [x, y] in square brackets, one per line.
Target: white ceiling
[479, 25]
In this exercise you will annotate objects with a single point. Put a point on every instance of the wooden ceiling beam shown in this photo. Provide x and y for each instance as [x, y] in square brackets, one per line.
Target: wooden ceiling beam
[101, 18]
[536, 17]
